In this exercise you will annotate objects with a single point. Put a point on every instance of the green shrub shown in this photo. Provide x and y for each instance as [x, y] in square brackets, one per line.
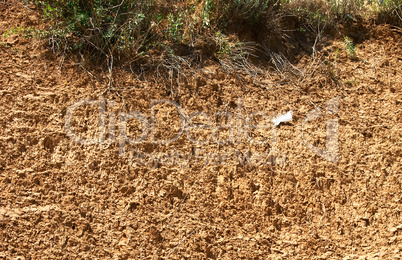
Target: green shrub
[98, 27]
[175, 26]
[350, 48]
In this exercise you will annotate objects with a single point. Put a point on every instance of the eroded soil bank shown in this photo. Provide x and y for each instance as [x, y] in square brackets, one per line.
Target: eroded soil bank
[240, 191]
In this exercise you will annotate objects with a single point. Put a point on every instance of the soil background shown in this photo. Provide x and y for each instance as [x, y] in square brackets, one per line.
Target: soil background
[63, 199]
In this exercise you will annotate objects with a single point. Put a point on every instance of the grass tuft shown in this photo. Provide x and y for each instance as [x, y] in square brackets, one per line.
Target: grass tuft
[125, 31]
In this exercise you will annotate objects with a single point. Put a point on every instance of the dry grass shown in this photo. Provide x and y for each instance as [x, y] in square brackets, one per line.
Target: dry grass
[127, 33]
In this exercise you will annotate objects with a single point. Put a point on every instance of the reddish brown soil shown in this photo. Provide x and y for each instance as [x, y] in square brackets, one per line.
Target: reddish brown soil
[61, 199]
